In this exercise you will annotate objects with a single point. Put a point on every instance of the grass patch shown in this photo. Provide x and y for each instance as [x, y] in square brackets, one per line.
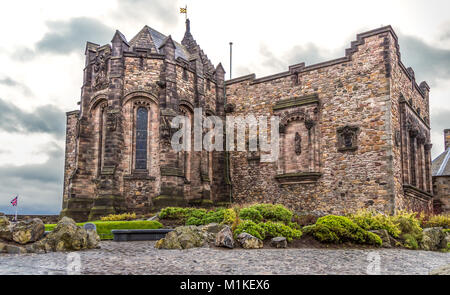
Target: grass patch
[104, 227]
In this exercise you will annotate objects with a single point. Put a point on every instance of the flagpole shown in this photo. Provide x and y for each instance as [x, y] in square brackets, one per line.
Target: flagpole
[17, 196]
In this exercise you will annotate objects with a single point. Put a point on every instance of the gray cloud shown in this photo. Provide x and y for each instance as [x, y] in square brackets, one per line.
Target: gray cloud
[143, 11]
[39, 185]
[8, 81]
[44, 119]
[429, 62]
[309, 53]
[68, 36]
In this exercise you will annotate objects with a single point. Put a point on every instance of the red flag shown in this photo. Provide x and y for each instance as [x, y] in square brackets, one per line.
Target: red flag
[14, 201]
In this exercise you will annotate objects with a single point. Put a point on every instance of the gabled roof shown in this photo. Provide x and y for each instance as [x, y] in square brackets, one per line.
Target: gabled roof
[158, 39]
[441, 165]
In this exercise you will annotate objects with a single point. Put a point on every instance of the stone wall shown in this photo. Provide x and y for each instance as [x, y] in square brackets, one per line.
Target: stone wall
[442, 191]
[410, 133]
[351, 92]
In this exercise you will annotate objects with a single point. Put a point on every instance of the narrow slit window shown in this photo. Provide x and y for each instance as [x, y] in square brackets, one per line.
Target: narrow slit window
[141, 138]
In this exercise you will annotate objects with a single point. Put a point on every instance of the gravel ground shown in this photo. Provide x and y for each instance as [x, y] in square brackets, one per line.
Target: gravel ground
[143, 258]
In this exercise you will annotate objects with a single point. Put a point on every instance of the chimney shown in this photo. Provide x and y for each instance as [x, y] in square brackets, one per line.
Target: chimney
[447, 138]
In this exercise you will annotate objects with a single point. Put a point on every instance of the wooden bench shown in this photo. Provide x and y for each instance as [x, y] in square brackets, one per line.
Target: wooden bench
[125, 235]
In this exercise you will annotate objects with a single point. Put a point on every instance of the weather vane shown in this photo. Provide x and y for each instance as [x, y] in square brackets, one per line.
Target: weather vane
[184, 10]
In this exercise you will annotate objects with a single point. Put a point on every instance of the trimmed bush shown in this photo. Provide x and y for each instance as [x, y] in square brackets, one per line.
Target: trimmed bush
[251, 228]
[229, 216]
[214, 216]
[339, 229]
[438, 221]
[173, 213]
[274, 212]
[104, 227]
[410, 241]
[410, 230]
[250, 214]
[119, 217]
[370, 220]
[194, 221]
[278, 229]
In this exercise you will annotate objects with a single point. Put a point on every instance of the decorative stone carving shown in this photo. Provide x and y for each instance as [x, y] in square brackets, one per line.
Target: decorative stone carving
[309, 123]
[229, 108]
[298, 144]
[100, 72]
[347, 138]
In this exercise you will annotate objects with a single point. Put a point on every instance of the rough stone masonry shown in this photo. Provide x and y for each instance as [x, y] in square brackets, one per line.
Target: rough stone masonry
[354, 131]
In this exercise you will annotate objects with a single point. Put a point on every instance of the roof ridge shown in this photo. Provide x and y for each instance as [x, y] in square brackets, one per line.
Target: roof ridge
[444, 163]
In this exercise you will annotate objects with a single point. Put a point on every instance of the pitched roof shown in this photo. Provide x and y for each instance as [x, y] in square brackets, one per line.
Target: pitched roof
[158, 39]
[441, 165]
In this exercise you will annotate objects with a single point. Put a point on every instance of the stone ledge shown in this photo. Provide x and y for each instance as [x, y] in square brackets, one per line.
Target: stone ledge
[296, 101]
[300, 177]
[413, 191]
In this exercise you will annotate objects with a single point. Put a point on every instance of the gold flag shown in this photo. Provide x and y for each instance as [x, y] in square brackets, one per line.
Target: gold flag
[183, 10]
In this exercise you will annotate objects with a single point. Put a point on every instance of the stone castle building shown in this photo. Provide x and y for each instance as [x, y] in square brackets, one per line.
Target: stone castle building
[441, 177]
[354, 132]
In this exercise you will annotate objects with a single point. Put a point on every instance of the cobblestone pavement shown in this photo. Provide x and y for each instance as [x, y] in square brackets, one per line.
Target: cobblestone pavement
[143, 258]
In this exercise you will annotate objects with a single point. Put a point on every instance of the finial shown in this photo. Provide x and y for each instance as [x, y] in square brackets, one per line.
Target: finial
[188, 26]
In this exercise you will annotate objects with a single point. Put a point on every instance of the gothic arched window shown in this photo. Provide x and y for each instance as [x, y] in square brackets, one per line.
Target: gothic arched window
[141, 138]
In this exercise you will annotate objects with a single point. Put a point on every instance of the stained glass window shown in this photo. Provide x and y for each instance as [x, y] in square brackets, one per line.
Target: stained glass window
[141, 138]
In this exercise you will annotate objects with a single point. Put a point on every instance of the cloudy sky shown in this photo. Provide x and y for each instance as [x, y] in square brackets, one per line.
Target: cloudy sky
[42, 57]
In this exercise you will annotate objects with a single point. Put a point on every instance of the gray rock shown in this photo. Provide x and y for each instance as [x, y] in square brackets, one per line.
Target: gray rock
[443, 270]
[2, 247]
[67, 236]
[278, 242]
[247, 241]
[384, 235]
[27, 231]
[214, 228]
[5, 229]
[432, 238]
[445, 242]
[183, 237]
[224, 238]
[13, 249]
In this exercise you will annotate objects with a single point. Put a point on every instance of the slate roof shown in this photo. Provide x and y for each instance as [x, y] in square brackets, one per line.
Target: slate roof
[441, 165]
[159, 38]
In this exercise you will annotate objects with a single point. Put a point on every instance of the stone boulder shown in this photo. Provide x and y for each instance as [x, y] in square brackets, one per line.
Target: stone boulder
[224, 238]
[432, 238]
[184, 237]
[247, 241]
[278, 242]
[5, 229]
[385, 238]
[445, 243]
[27, 231]
[67, 236]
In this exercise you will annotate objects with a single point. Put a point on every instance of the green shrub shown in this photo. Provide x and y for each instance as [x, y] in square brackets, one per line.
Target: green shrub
[229, 216]
[250, 214]
[410, 241]
[409, 225]
[251, 228]
[370, 220]
[278, 229]
[214, 216]
[173, 213]
[294, 225]
[442, 220]
[194, 221]
[274, 212]
[339, 229]
[104, 227]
